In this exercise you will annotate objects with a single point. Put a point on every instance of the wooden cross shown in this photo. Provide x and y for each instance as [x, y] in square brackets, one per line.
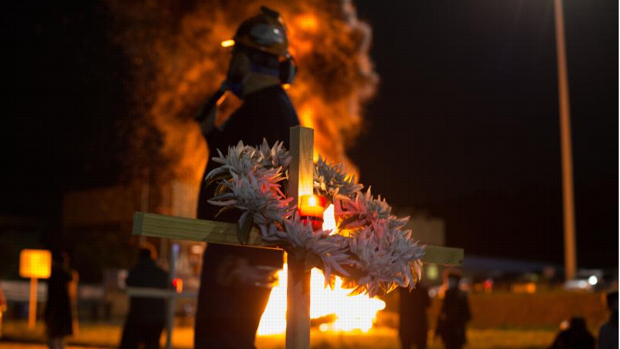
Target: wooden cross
[301, 173]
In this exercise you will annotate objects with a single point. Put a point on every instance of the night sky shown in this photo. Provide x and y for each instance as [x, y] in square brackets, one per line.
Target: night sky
[465, 124]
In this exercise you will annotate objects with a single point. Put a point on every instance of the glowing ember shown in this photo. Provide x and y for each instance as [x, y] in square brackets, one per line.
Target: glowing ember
[352, 312]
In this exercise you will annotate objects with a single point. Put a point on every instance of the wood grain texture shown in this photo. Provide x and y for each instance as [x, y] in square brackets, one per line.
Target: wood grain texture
[448, 256]
[156, 225]
[301, 176]
[301, 169]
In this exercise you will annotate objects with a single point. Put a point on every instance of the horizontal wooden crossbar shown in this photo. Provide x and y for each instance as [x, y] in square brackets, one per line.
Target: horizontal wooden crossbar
[179, 228]
[155, 225]
[448, 256]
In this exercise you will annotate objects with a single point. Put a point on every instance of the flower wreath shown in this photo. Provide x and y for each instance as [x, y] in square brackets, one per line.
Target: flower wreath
[372, 251]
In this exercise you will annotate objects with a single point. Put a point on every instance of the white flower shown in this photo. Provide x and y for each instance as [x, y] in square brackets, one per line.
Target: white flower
[377, 256]
[331, 249]
[386, 256]
[239, 160]
[365, 210]
[256, 194]
[331, 180]
[276, 156]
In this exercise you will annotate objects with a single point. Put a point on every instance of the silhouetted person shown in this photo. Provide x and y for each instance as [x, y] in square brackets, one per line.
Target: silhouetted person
[58, 313]
[3, 306]
[576, 336]
[413, 326]
[608, 336]
[454, 313]
[146, 318]
[234, 288]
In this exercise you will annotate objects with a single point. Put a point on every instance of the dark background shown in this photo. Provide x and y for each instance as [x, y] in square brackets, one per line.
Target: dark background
[465, 124]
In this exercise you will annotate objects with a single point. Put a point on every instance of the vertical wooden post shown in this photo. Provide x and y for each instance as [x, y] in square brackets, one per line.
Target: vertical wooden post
[171, 300]
[570, 250]
[32, 308]
[301, 175]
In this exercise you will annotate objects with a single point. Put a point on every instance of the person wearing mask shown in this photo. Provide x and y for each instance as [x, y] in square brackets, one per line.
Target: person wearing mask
[236, 281]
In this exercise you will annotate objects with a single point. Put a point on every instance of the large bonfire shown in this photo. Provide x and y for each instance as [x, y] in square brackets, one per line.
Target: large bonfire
[175, 49]
[177, 59]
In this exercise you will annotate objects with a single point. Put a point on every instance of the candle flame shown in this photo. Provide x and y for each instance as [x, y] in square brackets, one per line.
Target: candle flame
[312, 201]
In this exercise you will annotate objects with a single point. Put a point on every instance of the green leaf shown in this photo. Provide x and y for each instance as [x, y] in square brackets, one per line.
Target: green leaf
[387, 288]
[224, 176]
[357, 290]
[349, 283]
[348, 221]
[244, 226]
[220, 190]
[332, 282]
[224, 209]
[312, 261]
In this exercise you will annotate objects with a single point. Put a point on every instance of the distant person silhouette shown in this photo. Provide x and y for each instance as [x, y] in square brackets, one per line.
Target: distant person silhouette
[58, 314]
[608, 336]
[576, 336]
[147, 316]
[3, 306]
[413, 326]
[454, 313]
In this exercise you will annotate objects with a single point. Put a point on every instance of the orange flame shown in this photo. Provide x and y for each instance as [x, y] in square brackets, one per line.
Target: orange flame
[179, 61]
[352, 312]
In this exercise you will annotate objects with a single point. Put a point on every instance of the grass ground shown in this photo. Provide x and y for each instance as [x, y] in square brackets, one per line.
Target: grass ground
[102, 335]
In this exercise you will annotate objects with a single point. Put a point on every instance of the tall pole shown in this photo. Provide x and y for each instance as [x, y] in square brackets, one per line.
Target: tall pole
[570, 255]
[32, 307]
[171, 301]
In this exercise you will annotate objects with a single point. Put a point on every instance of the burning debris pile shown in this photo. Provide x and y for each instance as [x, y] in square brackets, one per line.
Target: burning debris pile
[178, 62]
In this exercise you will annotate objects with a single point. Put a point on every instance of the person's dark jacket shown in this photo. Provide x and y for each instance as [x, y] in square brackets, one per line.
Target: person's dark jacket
[453, 317]
[228, 315]
[608, 336]
[413, 320]
[58, 316]
[147, 311]
[265, 114]
[575, 337]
